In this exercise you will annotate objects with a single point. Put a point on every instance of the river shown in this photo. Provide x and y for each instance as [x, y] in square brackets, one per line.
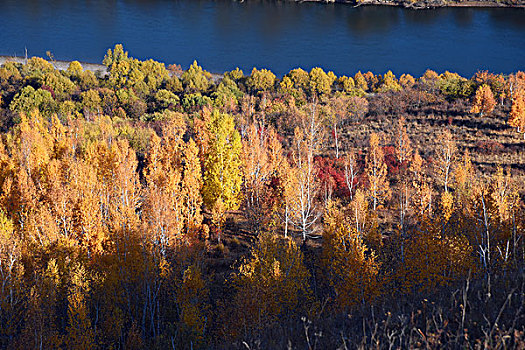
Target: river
[279, 36]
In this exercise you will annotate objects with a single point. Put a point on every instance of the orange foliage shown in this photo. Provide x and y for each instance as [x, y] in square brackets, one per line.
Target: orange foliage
[517, 111]
[484, 101]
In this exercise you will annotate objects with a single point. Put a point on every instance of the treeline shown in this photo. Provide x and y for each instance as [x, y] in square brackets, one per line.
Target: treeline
[122, 196]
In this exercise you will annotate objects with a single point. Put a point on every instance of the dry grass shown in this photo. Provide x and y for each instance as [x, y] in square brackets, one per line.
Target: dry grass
[490, 141]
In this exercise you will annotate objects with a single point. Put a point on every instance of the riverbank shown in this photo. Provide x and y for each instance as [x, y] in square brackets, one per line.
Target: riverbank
[97, 69]
[426, 4]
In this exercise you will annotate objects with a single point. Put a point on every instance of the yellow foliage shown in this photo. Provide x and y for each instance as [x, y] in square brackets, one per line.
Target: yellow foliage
[406, 80]
[431, 260]
[75, 68]
[192, 297]
[464, 173]
[299, 78]
[320, 82]
[379, 190]
[389, 83]
[80, 333]
[446, 150]
[349, 266]
[261, 80]
[360, 81]
[191, 188]
[272, 284]
[447, 205]
[517, 112]
[504, 194]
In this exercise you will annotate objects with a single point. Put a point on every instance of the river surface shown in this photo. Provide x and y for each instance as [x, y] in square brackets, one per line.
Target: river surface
[280, 36]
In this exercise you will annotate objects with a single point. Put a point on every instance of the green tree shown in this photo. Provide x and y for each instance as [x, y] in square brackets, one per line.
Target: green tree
[227, 94]
[36, 68]
[61, 86]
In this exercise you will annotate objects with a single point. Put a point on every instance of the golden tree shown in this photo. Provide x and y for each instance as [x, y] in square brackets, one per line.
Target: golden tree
[87, 211]
[191, 297]
[11, 279]
[163, 205]
[262, 156]
[80, 334]
[195, 79]
[320, 83]
[116, 163]
[261, 80]
[406, 81]
[191, 187]
[484, 101]
[360, 81]
[376, 170]
[504, 194]
[389, 83]
[464, 175]
[222, 167]
[349, 266]
[272, 284]
[517, 111]
[41, 319]
[445, 156]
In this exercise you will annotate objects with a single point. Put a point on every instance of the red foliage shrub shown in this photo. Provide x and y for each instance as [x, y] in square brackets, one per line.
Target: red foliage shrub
[331, 171]
[391, 161]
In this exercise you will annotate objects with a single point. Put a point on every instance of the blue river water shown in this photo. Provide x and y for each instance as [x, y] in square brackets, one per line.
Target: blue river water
[280, 36]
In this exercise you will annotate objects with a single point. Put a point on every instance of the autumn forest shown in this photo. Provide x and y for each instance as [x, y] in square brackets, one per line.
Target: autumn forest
[147, 206]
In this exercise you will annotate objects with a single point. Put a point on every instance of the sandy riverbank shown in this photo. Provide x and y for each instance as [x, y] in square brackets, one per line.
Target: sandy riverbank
[98, 69]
